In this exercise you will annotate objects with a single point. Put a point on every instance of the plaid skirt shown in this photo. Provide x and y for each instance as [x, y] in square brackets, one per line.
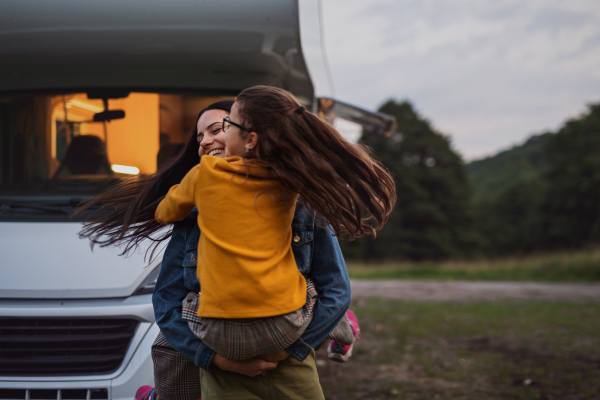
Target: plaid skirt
[242, 339]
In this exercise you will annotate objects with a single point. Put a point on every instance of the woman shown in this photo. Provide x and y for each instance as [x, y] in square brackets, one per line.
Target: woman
[317, 255]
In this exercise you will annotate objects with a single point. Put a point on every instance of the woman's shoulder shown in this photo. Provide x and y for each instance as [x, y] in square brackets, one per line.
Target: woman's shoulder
[304, 217]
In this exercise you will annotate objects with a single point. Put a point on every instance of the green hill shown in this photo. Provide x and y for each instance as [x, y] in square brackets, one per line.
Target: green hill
[492, 175]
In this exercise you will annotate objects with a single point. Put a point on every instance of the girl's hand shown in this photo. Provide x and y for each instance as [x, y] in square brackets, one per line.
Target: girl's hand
[252, 367]
[275, 357]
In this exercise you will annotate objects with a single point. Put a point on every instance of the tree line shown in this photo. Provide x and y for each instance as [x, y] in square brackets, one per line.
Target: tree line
[542, 195]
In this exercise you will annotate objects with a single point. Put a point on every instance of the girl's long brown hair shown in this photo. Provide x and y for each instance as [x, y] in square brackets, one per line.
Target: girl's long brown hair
[341, 181]
[132, 202]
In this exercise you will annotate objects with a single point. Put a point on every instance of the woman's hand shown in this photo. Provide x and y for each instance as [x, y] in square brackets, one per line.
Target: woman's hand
[252, 367]
[275, 357]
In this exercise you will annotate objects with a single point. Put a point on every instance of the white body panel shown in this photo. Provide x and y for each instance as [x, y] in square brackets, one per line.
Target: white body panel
[49, 261]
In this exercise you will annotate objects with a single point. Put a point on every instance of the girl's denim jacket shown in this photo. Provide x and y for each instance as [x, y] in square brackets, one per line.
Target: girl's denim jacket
[317, 253]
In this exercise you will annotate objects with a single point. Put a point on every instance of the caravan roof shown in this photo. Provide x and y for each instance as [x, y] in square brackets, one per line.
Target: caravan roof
[209, 46]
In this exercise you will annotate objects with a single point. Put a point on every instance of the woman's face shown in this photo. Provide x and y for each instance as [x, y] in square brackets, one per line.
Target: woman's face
[210, 134]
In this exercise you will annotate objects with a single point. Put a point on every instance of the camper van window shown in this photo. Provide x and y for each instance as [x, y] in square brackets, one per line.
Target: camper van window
[56, 150]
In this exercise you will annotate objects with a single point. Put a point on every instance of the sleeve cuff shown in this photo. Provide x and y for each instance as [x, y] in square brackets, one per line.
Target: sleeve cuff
[299, 350]
[204, 357]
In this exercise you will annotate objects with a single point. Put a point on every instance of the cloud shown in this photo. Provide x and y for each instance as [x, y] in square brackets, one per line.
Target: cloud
[489, 73]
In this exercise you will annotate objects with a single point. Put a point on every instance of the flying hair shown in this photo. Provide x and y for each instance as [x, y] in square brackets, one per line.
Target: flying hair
[346, 187]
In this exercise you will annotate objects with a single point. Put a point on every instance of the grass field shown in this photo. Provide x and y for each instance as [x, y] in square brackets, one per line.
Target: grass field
[582, 266]
[479, 350]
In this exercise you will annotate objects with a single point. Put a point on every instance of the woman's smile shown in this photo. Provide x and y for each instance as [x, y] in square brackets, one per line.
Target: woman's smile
[215, 152]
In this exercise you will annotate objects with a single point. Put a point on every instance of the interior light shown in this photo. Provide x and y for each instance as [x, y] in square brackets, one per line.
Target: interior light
[125, 169]
[85, 106]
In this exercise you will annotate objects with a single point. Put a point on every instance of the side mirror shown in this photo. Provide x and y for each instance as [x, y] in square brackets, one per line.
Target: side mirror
[375, 122]
[109, 115]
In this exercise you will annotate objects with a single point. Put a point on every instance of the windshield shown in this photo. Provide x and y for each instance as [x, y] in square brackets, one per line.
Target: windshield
[56, 150]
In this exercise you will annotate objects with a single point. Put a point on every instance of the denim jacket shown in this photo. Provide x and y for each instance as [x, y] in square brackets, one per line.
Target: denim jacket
[317, 253]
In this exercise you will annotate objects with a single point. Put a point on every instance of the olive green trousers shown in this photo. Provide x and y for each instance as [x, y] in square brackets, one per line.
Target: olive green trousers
[291, 380]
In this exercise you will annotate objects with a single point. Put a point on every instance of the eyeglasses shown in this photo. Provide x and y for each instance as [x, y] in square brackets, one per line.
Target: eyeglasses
[227, 123]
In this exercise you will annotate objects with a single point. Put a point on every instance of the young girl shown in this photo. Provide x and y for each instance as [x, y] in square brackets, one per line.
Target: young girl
[254, 300]
[180, 358]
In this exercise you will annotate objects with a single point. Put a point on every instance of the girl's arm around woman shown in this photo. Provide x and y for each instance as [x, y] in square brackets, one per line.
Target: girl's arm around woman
[179, 201]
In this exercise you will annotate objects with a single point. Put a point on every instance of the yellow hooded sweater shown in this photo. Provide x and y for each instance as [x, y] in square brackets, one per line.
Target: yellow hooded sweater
[246, 267]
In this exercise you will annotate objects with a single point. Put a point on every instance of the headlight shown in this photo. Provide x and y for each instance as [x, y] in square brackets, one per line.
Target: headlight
[147, 286]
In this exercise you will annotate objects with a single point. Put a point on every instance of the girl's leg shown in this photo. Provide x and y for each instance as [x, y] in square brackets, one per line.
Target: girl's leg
[341, 352]
[291, 380]
[342, 333]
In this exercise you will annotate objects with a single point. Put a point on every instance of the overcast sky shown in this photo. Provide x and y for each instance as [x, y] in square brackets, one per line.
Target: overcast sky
[487, 73]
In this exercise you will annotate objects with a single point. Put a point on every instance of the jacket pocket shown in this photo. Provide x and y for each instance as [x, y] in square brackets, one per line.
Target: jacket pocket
[189, 259]
[302, 245]
[190, 280]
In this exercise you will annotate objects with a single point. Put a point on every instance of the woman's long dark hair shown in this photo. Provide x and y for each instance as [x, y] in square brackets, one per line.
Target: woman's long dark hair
[341, 181]
[132, 202]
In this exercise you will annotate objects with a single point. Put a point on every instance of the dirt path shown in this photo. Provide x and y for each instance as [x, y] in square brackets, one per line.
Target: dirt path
[465, 291]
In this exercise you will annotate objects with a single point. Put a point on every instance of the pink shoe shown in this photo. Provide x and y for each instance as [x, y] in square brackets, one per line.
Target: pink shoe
[354, 324]
[339, 352]
[143, 393]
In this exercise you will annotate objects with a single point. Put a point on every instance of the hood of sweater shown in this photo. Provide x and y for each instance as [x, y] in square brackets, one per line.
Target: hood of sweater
[239, 165]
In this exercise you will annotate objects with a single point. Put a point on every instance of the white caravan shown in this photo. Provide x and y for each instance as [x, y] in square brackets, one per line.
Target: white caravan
[90, 93]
